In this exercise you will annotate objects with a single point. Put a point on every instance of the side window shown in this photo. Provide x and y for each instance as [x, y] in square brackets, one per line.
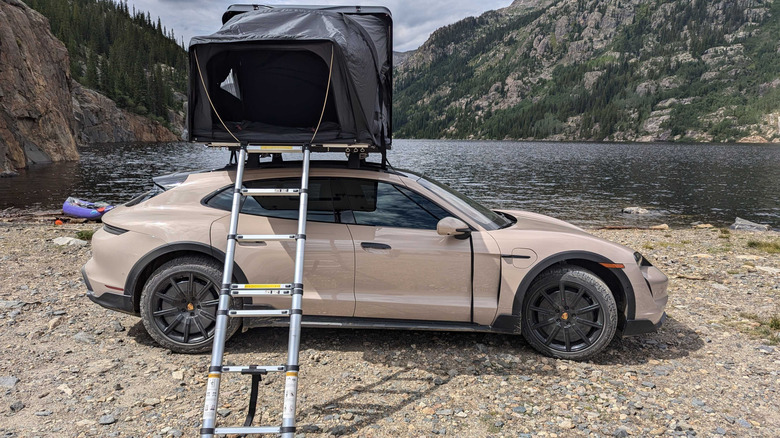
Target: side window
[284, 207]
[382, 204]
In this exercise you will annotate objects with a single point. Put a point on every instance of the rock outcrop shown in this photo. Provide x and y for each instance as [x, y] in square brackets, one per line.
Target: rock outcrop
[99, 120]
[36, 114]
[44, 114]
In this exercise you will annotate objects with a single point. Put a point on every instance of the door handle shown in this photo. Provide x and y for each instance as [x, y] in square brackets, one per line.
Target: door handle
[374, 245]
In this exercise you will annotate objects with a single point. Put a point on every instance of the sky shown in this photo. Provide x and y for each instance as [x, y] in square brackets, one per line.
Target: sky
[413, 20]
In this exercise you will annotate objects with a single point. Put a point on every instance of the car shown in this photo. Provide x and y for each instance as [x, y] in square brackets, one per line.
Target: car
[386, 249]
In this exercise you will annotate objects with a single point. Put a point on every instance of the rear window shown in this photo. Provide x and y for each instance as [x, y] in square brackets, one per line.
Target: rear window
[320, 207]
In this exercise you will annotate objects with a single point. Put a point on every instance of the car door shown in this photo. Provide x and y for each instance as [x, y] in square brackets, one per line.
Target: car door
[329, 261]
[403, 268]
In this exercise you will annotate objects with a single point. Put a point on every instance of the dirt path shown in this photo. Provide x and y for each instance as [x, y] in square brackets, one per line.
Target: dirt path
[71, 368]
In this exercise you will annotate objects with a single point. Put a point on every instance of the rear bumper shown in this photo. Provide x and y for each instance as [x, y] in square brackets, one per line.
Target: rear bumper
[635, 327]
[120, 303]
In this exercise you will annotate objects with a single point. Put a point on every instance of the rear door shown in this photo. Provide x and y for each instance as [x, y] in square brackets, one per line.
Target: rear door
[329, 263]
[403, 268]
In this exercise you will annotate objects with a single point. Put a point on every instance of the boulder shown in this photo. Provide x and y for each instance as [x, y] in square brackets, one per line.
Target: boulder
[746, 225]
[635, 210]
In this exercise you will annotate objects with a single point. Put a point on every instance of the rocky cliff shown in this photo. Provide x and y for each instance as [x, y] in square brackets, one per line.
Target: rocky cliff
[98, 120]
[620, 70]
[44, 114]
[36, 114]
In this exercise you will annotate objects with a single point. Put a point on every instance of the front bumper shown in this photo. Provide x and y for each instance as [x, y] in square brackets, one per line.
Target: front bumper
[635, 327]
[121, 303]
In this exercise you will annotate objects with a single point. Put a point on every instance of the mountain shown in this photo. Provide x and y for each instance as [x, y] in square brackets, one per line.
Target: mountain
[123, 54]
[44, 114]
[615, 70]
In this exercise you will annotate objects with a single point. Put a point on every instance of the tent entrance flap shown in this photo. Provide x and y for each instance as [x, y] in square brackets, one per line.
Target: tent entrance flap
[263, 78]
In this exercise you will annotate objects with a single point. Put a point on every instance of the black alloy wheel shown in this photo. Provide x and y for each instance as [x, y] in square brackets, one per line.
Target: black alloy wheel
[569, 313]
[179, 304]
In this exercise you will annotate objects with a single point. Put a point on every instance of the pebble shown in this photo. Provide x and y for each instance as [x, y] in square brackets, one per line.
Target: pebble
[107, 419]
[69, 241]
[620, 433]
[84, 338]
[720, 431]
[742, 422]
[8, 381]
[17, 406]
[117, 326]
[224, 412]
[43, 413]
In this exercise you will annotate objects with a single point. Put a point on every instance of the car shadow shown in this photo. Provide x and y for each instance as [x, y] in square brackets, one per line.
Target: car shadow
[416, 364]
[422, 363]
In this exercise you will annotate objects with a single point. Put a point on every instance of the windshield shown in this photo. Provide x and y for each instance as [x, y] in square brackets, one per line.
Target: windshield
[487, 218]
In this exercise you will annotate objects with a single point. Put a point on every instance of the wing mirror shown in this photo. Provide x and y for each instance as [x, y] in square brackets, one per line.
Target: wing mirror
[450, 226]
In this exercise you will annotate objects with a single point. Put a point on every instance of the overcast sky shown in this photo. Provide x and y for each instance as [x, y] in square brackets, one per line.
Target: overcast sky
[413, 20]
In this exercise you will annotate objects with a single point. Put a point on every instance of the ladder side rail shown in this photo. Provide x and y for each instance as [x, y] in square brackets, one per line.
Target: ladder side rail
[291, 380]
[218, 350]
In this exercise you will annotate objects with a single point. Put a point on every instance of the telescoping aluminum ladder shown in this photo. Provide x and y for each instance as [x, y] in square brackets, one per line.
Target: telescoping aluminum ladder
[230, 289]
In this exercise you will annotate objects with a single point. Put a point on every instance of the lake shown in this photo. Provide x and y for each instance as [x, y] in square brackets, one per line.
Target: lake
[585, 183]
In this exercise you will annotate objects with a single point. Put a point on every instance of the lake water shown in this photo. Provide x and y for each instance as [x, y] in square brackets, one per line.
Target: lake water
[585, 183]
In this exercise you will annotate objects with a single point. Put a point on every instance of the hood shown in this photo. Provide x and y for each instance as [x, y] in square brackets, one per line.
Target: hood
[539, 222]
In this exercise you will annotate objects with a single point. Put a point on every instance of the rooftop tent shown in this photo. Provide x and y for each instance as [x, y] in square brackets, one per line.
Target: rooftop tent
[264, 76]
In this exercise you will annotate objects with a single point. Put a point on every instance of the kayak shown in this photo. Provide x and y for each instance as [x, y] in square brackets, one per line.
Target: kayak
[84, 209]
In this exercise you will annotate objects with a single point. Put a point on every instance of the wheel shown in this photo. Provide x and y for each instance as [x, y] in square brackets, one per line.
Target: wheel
[569, 313]
[179, 304]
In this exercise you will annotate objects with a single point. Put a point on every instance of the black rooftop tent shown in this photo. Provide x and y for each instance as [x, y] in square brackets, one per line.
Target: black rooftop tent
[266, 77]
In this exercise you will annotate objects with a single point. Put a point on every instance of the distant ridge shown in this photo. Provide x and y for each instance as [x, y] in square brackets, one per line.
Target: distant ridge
[615, 70]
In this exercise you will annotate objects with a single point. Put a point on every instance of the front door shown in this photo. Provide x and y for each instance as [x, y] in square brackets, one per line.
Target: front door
[329, 263]
[403, 268]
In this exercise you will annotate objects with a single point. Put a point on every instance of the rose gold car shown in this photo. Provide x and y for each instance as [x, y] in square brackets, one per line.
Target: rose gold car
[385, 249]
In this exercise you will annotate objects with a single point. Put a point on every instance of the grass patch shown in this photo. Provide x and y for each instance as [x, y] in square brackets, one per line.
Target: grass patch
[725, 233]
[765, 328]
[654, 245]
[85, 234]
[770, 247]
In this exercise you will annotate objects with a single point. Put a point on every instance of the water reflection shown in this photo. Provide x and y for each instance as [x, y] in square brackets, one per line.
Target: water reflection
[586, 183]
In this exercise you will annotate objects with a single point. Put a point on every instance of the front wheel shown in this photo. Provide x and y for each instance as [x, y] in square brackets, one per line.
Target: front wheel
[569, 313]
[179, 304]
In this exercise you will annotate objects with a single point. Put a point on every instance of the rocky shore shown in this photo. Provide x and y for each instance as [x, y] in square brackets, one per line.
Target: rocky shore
[71, 368]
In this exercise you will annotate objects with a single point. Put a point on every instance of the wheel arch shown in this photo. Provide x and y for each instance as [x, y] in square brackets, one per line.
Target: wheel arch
[615, 279]
[146, 265]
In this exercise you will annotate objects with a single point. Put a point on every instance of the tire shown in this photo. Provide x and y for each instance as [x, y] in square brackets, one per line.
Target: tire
[569, 313]
[179, 304]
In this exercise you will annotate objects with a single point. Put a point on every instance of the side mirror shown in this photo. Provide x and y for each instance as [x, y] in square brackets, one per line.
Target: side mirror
[450, 226]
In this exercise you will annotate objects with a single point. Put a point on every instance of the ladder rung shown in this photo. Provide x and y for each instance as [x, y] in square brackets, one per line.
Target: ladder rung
[270, 192]
[244, 430]
[260, 290]
[264, 237]
[273, 149]
[249, 369]
[261, 286]
[260, 293]
[252, 313]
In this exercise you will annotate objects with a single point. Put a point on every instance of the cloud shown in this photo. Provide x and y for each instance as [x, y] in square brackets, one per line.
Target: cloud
[414, 20]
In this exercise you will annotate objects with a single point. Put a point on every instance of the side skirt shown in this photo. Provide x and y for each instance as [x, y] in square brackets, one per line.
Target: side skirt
[383, 324]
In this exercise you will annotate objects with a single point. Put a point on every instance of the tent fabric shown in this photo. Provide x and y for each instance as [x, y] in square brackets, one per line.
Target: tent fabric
[266, 72]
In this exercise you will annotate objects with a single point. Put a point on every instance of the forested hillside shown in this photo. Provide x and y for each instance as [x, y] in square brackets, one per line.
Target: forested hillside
[124, 54]
[622, 70]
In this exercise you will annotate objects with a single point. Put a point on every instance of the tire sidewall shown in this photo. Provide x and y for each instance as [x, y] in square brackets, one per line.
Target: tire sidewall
[597, 288]
[202, 266]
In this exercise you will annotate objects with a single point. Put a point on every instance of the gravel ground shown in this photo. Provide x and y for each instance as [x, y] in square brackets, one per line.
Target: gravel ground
[70, 368]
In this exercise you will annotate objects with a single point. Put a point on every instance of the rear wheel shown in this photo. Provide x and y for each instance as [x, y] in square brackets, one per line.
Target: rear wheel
[569, 313]
[179, 304]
